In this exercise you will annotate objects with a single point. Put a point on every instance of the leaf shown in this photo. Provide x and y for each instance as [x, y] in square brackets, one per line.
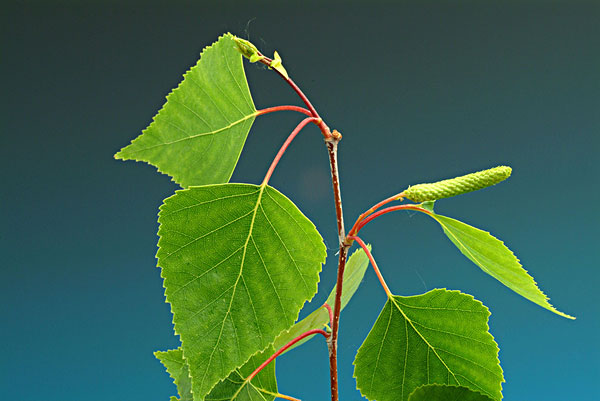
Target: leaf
[234, 388]
[238, 263]
[353, 274]
[437, 392]
[438, 337]
[494, 258]
[199, 133]
[178, 369]
[263, 386]
[355, 271]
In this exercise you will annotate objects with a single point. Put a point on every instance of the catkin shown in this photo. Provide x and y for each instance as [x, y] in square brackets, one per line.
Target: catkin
[458, 185]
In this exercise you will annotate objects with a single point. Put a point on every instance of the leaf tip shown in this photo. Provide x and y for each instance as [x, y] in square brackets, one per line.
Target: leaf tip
[559, 313]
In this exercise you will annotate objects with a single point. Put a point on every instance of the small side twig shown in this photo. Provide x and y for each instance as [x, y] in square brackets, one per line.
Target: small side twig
[381, 212]
[397, 197]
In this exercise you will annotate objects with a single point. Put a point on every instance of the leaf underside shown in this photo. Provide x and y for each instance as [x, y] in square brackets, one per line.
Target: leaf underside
[438, 337]
[238, 263]
[439, 392]
[355, 271]
[261, 388]
[198, 135]
[495, 259]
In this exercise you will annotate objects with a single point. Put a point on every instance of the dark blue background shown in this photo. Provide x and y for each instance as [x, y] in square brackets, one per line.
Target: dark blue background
[421, 91]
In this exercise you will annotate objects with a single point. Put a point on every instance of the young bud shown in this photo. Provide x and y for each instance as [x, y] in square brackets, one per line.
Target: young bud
[248, 50]
[458, 185]
[276, 64]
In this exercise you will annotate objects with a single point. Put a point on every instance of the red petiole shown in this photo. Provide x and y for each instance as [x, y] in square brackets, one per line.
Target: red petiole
[381, 212]
[397, 197]
[285, 145]
[324, 128]
[284, 108]
[326, 306]
[373, 263]
[284, 348]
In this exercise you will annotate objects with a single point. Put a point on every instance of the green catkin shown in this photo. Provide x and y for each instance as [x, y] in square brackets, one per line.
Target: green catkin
[457, 186]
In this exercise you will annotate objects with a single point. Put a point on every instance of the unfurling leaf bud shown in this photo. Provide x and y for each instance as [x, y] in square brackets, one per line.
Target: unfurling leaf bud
[276, 64]
[248, 50]
[457, 186]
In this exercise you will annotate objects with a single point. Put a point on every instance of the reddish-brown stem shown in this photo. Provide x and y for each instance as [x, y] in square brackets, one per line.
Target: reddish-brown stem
[285, 145]
[397, 197]
[343, 253]
[331, 139]
[284, 108]
[326, 306]
[388, 210]
[372, 260]
[284, 348]
[324, 128]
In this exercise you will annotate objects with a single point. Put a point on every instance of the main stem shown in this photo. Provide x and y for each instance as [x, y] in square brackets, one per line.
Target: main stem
[324, 128]
[332, 144]
[331, 140]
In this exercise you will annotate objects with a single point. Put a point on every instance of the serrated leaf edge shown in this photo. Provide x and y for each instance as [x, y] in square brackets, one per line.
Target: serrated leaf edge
[444, 385]
[486, 311]
[156, 355]
[547, 304]
[244, 383]
[119, 156]
[262, 186]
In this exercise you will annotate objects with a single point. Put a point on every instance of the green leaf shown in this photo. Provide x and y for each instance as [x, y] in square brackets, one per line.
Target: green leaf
[438, 337]
[262, 387]
[494, 258]
[355, 271]
[198, 135]
[239, 261]
[438, 392]
[178, 369]
[353, 274]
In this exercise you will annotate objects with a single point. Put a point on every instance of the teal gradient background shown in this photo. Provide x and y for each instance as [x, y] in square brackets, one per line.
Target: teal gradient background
[420, 90]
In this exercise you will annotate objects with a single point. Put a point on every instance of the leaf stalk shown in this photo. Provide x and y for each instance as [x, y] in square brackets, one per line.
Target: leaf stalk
[285, 145]
[284, 108]
[381, 212]
[373, 263]
[397, 197]
[284, 348]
